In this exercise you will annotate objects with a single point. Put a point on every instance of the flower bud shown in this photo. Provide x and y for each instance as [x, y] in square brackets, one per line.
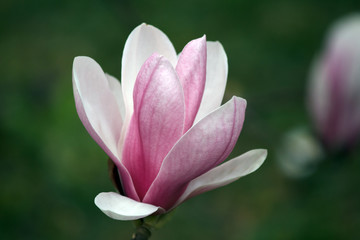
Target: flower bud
[334, 87]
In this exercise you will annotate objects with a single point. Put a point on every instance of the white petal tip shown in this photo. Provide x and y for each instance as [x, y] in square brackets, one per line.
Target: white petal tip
[82, 59]
[238, 100]
[120, 207]
[258, 156]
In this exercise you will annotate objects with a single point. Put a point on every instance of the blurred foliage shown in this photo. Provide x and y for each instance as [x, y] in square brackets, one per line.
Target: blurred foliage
[51, 169]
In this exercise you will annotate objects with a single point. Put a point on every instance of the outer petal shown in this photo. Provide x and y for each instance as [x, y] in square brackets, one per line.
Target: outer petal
[92, 91]
[157, 122]
[98, 110]
[119, 207]
[216, 76]
[117, 92]
[204, 146]
[142, 42]
[191, 68]
[224, 174]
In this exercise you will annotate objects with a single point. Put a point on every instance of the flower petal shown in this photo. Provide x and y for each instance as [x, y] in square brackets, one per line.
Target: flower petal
[224, 174]
[191, 69]
[117, 92]
[99, 112]
[204, 146]
[157, 122]
[120, 207]
[216, 76]
[142, 42]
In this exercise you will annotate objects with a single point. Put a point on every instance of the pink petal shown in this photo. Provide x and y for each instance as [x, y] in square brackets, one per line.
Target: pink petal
[142, 42]
[224, 174]
[157, 122]
[216, 76]
[204, 146]
[120, 207]
[98, 110]
[191, 69]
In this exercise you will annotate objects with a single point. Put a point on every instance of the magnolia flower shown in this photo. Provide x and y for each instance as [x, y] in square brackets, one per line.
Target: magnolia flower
[163, 127]
[334, 89]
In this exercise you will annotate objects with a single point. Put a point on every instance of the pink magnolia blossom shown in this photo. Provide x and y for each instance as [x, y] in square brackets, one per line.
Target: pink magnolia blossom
[163, 127]
[334, 89]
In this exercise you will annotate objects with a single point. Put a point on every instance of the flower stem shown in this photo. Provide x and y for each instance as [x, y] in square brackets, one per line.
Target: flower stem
[144, 226]
[142, 232]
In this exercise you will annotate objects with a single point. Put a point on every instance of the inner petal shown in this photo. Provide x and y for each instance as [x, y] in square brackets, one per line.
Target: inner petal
[191, 68]
[157, 122]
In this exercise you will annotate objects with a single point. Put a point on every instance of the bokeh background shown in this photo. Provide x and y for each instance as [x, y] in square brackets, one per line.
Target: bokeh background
[51, 169]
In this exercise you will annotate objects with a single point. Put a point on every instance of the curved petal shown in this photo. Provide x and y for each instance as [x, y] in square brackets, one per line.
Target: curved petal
[157, 122]
[203, 147]
[224, 174]
[120, 207]
[191, 69]
[216, 76]
[99, 112]
[142, 42]
[92, 91]
[117, 92]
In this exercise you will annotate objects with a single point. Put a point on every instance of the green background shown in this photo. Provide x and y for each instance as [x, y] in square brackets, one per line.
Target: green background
[51, 169]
